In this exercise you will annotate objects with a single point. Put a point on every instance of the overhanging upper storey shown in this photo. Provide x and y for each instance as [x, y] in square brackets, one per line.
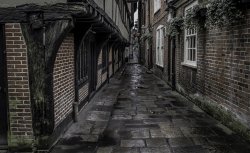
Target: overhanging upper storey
[114, 15]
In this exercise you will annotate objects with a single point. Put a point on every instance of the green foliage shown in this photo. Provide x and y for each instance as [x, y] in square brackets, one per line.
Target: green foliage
[223, 13]
[175, 26]
[147, 36]
[195, 17]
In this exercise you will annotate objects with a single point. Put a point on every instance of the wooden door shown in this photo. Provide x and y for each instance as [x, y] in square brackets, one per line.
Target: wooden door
[3, 91]
[92, 68]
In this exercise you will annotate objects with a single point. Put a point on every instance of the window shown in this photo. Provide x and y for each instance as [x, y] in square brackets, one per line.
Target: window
[160, 45]
[82, 63]
[157, 5]
[104, 56]
[190, 48]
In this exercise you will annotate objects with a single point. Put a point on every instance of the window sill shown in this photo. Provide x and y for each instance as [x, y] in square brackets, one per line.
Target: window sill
[160, 67]
[194, 66]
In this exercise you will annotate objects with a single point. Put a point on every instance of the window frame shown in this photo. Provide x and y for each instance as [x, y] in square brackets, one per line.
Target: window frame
[160, 45]
[157, 5]
[188, 35]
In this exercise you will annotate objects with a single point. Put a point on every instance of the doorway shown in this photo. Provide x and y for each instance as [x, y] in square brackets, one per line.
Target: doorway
[92, 68]
[171, 62]
[3, 91]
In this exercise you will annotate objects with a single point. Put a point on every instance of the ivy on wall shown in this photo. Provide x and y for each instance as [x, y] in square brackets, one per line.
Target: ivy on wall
[175, 26]
[223, 13]
[213, 14]
[195, 17]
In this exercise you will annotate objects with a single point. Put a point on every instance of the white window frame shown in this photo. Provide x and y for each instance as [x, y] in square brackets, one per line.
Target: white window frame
[157, 5]
[190, 47]
[160, 46]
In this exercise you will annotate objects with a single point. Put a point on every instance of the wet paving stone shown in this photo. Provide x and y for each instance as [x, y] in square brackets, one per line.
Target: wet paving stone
[105, 150]
[197, 132]
[171, 132]
[180, 142]
[155, 150]
[140, 133]
[157, 142]
[141, 114]
[192, 149]
[98, 116]
[125, 150]
[156, 133]
[132, 143]
[121, 117]
[141, 126]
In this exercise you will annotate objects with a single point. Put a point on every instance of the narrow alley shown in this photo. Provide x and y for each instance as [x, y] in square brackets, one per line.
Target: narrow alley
[147, 117]
[124, 76]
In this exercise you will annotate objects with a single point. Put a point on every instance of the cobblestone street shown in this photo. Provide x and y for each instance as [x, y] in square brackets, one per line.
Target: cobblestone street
[148, 117]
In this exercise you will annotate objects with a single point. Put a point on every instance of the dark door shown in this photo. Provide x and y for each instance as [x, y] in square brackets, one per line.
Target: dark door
[171, 62]
[169, 59]
[92, 68]
[113, 60]
[3, 97]
[150, 57]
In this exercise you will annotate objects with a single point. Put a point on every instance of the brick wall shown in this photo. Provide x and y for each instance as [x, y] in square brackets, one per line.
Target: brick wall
[104, 76]
[227, 60]
[223, 67]
[99, 71]
[63, 78]
[20, 117]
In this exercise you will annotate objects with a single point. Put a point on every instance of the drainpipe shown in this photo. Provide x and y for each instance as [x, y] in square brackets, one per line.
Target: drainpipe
[139, 26]
[174, 39]
[75, 111]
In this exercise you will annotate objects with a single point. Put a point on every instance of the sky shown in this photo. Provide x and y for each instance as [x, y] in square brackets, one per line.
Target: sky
[136, 15]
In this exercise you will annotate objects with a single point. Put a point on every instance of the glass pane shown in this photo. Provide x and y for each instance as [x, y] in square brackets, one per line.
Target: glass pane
[191, 54]
[188, 42]
[194, 42]
[194, 55]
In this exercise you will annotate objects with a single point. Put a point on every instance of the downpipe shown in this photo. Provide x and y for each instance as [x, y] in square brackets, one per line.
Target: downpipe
[75, 111]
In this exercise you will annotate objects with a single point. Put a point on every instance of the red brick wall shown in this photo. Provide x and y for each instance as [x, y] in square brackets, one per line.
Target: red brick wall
[20, 117]
[63, 78]
[223, 68]
[227, 60]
